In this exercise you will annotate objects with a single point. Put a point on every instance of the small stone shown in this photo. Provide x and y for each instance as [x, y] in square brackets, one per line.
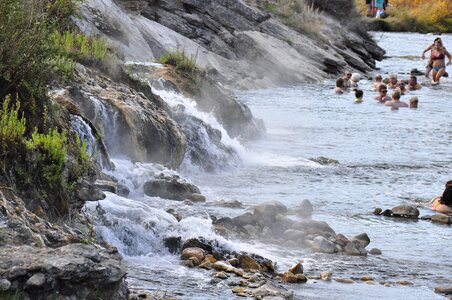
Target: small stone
[297, 268]
[221, 275]
[197, 198]
[344, 280]
[301, 278]
[237, 290]
[206, 264]
[445, 289]
[289, 277]
[375, 251]
[326, 276]
[37, 280]
[378, 211]
[441, 218]
[366, 278]
[387, 213]
[404, 282]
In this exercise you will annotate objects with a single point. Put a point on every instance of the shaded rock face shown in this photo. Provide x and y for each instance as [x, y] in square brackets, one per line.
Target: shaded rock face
[238, 43]
[39, 259]
[173, 188]
[132, 123]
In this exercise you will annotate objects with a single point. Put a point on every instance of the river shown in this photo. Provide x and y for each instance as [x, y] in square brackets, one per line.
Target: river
[386, 158]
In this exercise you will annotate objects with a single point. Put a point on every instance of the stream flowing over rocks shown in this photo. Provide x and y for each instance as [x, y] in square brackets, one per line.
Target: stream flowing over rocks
[146, 124]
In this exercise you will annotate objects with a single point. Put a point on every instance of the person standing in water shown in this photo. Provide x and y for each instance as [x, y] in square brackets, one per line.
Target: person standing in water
[395, 103]
[429, 67]
[438, 59]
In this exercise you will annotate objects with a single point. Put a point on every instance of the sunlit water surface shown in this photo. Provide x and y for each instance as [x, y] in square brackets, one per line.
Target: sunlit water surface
[387, 158]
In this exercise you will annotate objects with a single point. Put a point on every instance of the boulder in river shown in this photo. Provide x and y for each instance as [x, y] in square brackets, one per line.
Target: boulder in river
[173, 188]
[405, 211]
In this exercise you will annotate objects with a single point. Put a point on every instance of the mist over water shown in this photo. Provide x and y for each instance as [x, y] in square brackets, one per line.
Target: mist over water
[386, 158]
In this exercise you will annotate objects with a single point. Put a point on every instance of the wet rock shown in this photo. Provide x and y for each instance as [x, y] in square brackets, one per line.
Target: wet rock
[445, 289]
[378, 211]
[245, 219]
[170, 188]
[387, 213]
[305, 209]
[122, 190]
[266, 213]
[314, 227]
[206, 264]
[321, 244]
[221, 275]
[187, 253]
[88, 192]
[366, 278]
[289, 277]
[197, 198]
[106, 186]
[342, 240]
[296, 236]
[344, 280]
[325, 160]
[173, 244]
[172, 212]
[405, 211]
[355, 248]
[200, 243]
[442, 218]
[362, 238]
[375, 251]
[271, 290]
[404, 282]
[326, 276]
[229, 203]
[247, 263]
[297, 268]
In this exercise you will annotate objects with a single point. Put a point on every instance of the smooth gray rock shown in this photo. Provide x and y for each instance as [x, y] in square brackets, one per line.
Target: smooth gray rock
[35, 281]
[405, 211]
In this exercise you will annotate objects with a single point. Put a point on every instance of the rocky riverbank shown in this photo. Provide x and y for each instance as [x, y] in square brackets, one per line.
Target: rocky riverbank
[239, 45]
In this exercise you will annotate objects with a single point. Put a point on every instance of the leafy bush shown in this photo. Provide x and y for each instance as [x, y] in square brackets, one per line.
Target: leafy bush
[12, 125]
[184, 64]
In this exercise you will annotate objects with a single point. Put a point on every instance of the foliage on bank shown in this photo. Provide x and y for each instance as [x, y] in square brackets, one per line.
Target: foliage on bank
[39, 48]
[417, 15]
[184, 64]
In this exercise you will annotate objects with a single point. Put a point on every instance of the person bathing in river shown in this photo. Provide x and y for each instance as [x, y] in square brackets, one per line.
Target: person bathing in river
[359, 96]
[354, 79]
[429, 67]
[438, 58]
[414, 102]
[412, 83]
[443, 203]
[378, 80]
[395, 103]
[340, 88]
[346, 79]
[383, 94]
[393, 81]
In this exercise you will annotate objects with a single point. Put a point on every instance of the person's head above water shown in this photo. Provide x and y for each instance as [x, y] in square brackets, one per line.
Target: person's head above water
[378, 78]
[446, 197]
[396, 94]
[359, 93]
[414, 102]
[340, 82]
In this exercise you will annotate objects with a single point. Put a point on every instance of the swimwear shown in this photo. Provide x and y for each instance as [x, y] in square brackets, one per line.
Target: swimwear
[440, 56]
[439, 68]
[378, 3]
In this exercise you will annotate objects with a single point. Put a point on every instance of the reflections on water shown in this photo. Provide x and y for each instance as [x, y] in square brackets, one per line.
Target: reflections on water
[387, 158]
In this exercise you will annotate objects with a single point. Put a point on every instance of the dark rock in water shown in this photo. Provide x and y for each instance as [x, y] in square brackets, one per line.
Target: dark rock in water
[173, 244]
[305, 208]
[362, 238]
[266, 213]
[315, 227]
[197, 198]
[378, 211]
[375, 251]
[229, 203]
[88, 192]
[341, 240]
[446, 289]
[426, 217]
[297, 268]
[325, 160]
[245, 219]
[355, 248]
[123, 190]
[446, 74]
[321, 244]
[200, 243]
[387, 213]
[405, 211]
[170, 188]
[442, 218]
[416, 72]
[225, 222]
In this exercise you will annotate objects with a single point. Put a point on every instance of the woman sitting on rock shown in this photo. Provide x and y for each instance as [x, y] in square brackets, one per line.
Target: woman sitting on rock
[443, 203]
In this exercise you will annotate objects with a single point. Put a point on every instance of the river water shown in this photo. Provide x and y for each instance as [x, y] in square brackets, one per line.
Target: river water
[386, 158]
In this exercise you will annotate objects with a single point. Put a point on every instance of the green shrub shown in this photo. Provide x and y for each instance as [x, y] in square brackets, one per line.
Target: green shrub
[184, 64]
[12, 124]
[50, 155]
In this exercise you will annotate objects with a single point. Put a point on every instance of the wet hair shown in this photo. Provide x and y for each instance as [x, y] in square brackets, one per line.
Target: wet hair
[438, 39]
[446, 198]
[396, 94]
[414, 78]
[378, 77]
[382, 87]
[340, 82]
[392, 76]
[414, 99]
[358, 93]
